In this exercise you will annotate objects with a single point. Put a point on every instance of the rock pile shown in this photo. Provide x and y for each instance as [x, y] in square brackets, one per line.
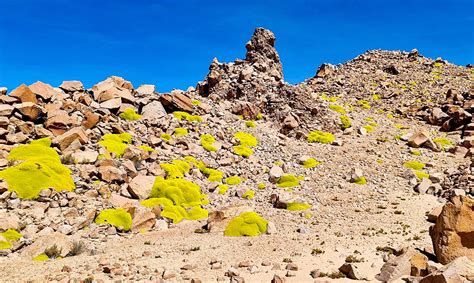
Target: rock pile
[255, 86]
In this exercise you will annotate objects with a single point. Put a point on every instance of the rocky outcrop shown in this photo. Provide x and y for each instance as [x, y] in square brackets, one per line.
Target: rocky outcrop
[255, 85]
[453, 233]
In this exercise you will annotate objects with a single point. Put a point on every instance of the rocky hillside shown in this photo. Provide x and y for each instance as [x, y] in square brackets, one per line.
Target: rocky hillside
[245, 178]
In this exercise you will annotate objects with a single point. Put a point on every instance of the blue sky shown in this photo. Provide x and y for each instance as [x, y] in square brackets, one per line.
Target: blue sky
[171, 43]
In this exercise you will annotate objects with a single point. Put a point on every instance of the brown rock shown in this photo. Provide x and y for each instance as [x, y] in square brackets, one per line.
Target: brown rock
[61, 241]
[8, 99]
[113, 103]
[459, 270]
[30, 110]
[111, 174]
[143, 219]
[278, 279]
[24, 93]
[177, 101]
[419, 265]
[418, 139]
[6, 110]
[453, 233]
[70, 136]
[140, 186]
[91, 119]
[71, 86]
[401, 265]
[43, 90]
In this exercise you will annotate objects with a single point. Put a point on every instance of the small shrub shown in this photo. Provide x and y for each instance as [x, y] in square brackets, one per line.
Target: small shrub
[345, 122]
[53, 252]
[415, 165]
[246, 224]
[261, 186]
[364, 104]
[295, 206]
[179, 132]
[250, 194]
[116, 217]
[250, 124]
[320, 137]
[337, 108]
[288, 181]
[310, 163]
[129, 114]
[166, 137]
[233, 180]
[243, 150]
[207, 141]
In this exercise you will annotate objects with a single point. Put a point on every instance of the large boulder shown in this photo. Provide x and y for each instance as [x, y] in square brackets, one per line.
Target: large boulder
[453, 233]
[459, 270]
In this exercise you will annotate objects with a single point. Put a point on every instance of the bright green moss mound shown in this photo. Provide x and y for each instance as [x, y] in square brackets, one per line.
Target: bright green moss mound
[196, 102]
[179, 132]
[4, 245]
[117, 217]
[246, 139]
[40, 168]
[288, 181]
[320, 137]
[415, 165]
[250, 124]
[294, 206]
[421, 174]
[222, 189]
[360, 181]
[345, 122]
[337, 108]
[246, 224]
[310, 163]
[233, 180]
[116, 143]
[130, 115]
[261, 186]
[243, 150]
[207, 141]
[11, 235]
[180, 115]
[444, 143]
[250, 194]
[180, 198]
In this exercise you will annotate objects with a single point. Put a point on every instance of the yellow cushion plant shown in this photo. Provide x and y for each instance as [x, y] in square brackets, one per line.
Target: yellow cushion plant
[130, 115]
[246, 142]
[207, 141]
[10, 237]
[246, 224]
[117, 217]
[180, 199]
[116, 143]
[320, 137]
[40, 168]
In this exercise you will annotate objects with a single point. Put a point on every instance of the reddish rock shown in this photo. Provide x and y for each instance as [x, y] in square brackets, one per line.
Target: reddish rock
[71, 86]
[70, 136]
[453, 233]
[30, 110]
[24, 93]
[43, 90]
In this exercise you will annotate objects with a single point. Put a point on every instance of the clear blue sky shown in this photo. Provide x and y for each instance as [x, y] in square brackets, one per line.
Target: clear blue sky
[171, 43]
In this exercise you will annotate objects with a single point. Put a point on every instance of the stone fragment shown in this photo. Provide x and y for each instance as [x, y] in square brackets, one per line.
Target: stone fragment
[85, 157]
[63, 243]
[6, 110]
[72, 86]
[30, 110]
[24, 93]
[459, 270]
[140, 186]
[351, 271]
[453, 233]
[153, 110]
[146, 90]
[66, 139]
[43, 90]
